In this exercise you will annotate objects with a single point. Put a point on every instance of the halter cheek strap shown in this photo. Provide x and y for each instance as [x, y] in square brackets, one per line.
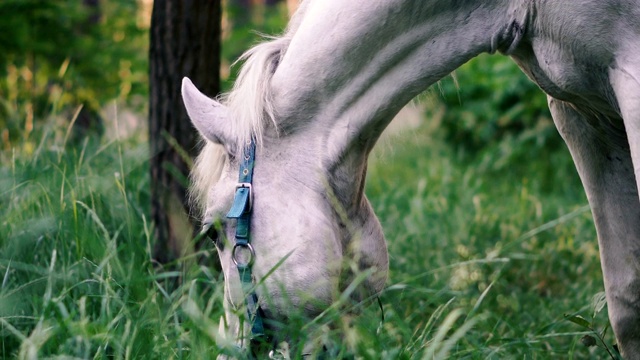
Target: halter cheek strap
[243, 254]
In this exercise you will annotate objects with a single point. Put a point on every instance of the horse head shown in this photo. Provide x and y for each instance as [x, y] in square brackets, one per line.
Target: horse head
[312, 230]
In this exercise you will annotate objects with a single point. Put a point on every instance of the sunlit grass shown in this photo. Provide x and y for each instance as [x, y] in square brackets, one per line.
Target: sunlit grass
[515, 246]
[485, 261]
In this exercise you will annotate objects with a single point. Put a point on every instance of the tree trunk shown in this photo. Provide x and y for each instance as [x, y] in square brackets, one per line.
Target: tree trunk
[185, 41]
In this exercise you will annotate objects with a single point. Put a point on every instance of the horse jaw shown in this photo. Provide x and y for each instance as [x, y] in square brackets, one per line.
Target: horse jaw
[211, 118]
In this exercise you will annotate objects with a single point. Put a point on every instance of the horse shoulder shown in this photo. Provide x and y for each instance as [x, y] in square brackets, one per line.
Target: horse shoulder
[571, 46]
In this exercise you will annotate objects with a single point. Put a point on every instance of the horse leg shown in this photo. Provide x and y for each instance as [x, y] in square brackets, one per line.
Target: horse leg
[604, 163]
[625, 80]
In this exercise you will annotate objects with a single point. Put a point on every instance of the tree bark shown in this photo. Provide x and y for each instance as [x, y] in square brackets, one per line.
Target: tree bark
[185, 41]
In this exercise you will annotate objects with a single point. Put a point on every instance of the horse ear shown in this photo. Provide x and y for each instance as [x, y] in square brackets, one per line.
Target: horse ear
[212, 119]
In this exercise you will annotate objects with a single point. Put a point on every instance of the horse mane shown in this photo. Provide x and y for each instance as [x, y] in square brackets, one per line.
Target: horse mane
[251, 107]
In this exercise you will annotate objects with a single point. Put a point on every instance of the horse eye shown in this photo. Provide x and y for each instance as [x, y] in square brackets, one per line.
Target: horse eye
[212, 233]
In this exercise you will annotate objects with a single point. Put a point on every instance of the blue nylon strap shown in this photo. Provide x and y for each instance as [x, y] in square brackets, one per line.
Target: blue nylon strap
[253, 309]
[242, 231]
[247, 162]
[241, 203]
[242, 199]
[241, 210]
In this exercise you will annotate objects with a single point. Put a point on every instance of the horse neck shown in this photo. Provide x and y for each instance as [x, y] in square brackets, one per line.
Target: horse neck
[351, 67]
[345, 54]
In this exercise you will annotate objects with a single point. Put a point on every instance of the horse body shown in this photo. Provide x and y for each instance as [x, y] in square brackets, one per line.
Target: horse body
[589, 64]
[334, 81]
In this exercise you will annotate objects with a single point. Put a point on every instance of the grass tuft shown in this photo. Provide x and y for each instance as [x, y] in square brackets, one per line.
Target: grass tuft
[485, 263]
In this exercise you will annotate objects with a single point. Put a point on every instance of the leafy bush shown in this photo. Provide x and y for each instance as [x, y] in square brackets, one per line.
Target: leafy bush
[243, 28]
[489, 101]
[58, 55]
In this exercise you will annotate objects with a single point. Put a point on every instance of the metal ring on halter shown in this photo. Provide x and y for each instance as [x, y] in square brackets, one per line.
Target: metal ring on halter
[252, 253]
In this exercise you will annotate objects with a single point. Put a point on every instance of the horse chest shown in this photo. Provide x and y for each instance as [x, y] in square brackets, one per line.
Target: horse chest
[582, 82]
[566, 75]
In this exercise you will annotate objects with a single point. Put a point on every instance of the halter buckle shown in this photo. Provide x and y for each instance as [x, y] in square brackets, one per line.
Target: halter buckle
[245, 185]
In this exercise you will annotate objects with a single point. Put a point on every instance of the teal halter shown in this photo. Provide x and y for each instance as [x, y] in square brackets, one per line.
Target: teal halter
[241, 210]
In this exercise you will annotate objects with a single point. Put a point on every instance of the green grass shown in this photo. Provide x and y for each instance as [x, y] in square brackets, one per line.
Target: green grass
[515, 247]
[487, 259]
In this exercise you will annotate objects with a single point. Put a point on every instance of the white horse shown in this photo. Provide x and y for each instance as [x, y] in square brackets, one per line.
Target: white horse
[317, 99]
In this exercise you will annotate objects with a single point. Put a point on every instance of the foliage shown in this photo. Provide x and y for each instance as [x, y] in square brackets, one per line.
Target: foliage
[59, 55]
[489, 100]
[471, 277]
[243, 28]
[502, 244]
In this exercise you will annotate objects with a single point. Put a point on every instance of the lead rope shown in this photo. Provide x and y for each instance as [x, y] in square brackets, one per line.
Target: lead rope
[241, 210]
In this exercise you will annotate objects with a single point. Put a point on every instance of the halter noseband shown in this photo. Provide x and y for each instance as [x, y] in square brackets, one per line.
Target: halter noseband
[241, 210]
